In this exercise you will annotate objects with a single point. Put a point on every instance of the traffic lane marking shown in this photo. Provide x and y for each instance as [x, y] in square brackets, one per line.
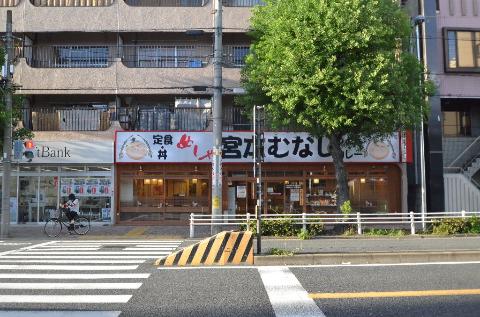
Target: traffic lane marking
[423, 293]
[286, 294]
[57, 313]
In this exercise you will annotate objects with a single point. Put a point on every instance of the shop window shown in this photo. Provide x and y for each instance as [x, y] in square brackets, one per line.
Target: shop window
[321, 195]
[369, 194]
[456, 123]
[462, 51]
[93, 193]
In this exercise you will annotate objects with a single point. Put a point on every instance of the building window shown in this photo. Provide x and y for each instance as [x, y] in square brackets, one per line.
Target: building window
[462, 51]
[456, 123]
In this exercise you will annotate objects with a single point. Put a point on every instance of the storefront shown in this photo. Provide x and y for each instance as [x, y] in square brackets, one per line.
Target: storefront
[162, 177]
[58, 169]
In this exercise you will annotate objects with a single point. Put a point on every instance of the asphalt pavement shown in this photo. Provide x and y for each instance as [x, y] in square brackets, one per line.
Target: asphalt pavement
[116, 277]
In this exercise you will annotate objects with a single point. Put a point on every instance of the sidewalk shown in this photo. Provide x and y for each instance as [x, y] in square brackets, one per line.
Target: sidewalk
[107, 231]
[321, 250]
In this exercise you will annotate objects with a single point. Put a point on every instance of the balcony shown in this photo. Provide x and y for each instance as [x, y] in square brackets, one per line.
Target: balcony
[132, 56]
[9, 3]
[72, 3]
[146, 117]
[68, 118]
[165, 117]
[166, 3]
[242, 3]
[166, 56]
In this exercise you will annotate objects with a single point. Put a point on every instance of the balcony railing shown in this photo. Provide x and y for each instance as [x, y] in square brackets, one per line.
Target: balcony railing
[70, 56]
[242, 3]
[134, 56]
[68, 118]
[166, 56]
[166, 3]
[9, 3]
[164, 117]
[234, 55]
[71, 3]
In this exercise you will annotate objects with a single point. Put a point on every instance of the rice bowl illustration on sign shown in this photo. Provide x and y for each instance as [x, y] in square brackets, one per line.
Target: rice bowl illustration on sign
[381, 150]
[136, 148]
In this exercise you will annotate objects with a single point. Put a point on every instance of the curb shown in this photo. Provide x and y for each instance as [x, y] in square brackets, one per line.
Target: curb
[367, 258]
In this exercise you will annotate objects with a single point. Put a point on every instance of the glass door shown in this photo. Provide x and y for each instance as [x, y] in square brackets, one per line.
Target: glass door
[28, 199]
[47, 198]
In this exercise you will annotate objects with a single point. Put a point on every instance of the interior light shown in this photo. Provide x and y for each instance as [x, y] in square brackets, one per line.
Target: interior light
[362, 180]
[154, 181]
[146, 181]
[194, 180]
[316, 181]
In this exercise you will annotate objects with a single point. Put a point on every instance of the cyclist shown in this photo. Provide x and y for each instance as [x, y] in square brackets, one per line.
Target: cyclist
[73, 207]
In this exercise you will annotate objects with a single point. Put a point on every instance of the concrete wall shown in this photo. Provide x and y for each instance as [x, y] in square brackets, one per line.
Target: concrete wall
[457, 14]
[118, 79]
[120, 17]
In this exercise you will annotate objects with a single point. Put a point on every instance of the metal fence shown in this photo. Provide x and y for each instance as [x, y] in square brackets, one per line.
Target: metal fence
[242, 3]
[73, 118]
[166, 3]
[166, 56]
[164, 117]
[70, 56]
[234, 55]
[400, 220]
[71, 3]
[9, 3]
[134, 56]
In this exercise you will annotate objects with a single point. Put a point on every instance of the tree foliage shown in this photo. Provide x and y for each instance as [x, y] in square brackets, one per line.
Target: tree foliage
[337, 69]
[19, 133]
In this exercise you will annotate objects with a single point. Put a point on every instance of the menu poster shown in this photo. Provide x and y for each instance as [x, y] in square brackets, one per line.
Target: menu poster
[83, 187]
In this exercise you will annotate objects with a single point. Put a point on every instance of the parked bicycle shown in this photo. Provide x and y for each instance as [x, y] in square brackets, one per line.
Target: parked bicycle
[53, 227]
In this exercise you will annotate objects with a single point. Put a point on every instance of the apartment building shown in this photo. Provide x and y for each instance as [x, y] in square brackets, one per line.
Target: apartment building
[458, 53]
[119, 96]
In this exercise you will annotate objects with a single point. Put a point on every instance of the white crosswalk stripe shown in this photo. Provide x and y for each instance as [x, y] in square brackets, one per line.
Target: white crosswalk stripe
[71, 272]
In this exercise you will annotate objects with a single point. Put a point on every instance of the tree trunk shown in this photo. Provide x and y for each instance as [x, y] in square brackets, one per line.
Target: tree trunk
[340, 172]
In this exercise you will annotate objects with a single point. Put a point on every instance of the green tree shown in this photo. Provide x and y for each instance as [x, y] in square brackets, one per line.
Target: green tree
[19, 133]
[336, 69]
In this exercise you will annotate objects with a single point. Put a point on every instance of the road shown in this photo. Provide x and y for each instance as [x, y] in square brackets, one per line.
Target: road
[112, 278]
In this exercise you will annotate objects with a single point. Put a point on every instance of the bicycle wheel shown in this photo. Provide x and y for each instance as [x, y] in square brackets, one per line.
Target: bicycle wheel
[52, 228]
[82, 225]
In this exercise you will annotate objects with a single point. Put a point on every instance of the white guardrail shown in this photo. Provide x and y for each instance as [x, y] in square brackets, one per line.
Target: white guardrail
[304, 219]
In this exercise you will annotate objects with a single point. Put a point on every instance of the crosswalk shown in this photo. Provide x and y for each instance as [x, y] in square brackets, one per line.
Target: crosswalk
[98, 274]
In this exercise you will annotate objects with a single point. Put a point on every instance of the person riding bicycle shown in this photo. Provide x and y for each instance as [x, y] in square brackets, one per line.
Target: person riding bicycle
[73, 207]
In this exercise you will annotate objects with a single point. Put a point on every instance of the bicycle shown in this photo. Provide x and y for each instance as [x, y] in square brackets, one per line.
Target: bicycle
[54, 225]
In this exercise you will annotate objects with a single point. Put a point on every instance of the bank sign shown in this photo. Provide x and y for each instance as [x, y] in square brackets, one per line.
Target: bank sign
[279, 147]
[73, 152]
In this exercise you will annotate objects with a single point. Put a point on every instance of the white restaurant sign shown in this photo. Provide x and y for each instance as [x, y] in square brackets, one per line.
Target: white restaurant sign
[280, 147]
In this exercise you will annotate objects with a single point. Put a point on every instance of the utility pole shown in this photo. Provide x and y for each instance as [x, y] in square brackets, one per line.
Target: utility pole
[258, 119]
[7, 133]
[418, 20]
[217, 120]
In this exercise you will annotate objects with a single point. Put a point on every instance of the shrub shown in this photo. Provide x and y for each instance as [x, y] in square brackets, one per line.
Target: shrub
[283, 227]
[304, 234]
[276, 251]
[456, 226]
[385, 232]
